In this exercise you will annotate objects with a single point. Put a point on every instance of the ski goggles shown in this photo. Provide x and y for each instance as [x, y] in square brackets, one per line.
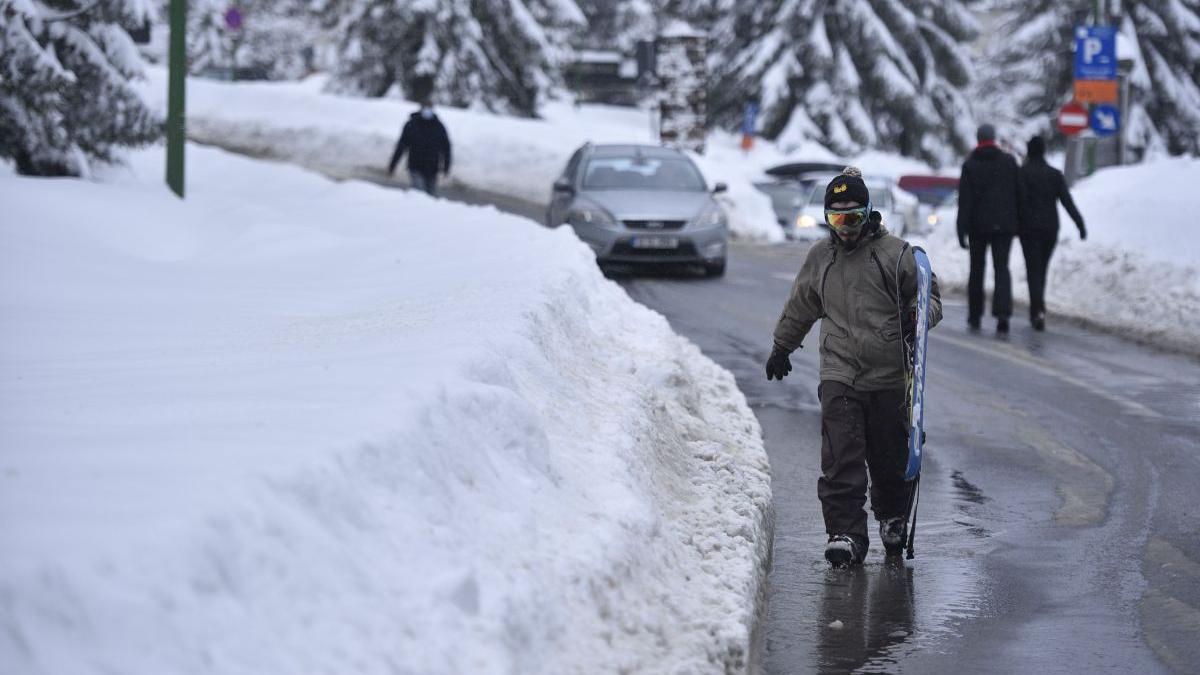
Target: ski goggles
[846, 219]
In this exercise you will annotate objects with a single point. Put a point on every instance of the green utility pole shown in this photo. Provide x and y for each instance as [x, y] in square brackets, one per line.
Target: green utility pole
[177, 74]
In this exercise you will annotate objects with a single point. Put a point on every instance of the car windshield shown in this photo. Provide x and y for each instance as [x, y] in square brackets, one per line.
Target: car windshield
[642, 173]
[881, 199]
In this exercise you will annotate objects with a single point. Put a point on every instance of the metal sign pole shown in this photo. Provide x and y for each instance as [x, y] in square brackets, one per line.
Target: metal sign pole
[177, 73]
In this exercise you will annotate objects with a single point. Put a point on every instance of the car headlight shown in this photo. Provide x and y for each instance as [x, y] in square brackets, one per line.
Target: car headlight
[806, 221]
[590, 214]
[712, 216]
[932, 219]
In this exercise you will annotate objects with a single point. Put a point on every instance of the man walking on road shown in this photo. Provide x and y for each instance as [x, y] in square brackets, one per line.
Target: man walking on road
[428, 147]
[862, 285]
[989, 201]
[1042, 187]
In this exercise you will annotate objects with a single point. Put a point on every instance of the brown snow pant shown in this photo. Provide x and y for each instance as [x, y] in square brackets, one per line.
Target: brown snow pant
[861, 432]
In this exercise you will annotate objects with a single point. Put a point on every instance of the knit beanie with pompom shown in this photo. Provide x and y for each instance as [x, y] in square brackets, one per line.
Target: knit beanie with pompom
[847, 187]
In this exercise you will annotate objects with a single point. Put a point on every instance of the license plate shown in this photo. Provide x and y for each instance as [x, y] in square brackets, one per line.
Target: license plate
[656, 242]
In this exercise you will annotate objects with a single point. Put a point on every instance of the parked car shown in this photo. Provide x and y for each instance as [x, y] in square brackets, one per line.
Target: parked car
[794, 170]
[944, 214]
[931, 192]
[788, 186]
[641, 204]
[787, 196]
[897, 207]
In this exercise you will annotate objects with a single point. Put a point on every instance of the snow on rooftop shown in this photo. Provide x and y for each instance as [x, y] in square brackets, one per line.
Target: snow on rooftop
[678, 28]
[598, 56]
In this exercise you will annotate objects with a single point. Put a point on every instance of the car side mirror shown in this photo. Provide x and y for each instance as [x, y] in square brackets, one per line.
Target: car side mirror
[719, 188]
[563, 185]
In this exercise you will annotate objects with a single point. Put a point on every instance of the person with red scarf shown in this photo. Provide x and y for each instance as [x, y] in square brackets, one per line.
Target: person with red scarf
[989, 202]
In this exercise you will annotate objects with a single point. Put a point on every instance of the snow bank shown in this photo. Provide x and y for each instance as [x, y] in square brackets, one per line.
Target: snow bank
[1138, 273]
[295, 426]
[513, 156]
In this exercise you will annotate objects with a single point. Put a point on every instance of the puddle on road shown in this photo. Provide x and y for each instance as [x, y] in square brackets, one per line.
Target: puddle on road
[869, 619]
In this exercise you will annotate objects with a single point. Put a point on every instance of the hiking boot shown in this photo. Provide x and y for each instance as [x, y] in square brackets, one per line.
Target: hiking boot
[844, 550]
[893, 532]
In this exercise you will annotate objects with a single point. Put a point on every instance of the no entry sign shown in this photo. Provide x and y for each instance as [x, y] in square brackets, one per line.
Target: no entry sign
[1073, 118]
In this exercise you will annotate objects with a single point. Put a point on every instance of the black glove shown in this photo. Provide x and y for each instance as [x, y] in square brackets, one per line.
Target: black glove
[1082, 232]
[962, 241]
[778, 364]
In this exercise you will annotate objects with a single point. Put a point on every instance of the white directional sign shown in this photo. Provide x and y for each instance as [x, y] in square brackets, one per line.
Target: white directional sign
[1105, 120]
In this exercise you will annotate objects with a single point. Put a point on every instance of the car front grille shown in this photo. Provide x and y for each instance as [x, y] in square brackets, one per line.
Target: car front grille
[655, 225]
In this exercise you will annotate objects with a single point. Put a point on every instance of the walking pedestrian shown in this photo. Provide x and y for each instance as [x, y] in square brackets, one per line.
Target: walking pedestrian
[862, 284]
[988, 205]
[1042, 187]
[425, 140]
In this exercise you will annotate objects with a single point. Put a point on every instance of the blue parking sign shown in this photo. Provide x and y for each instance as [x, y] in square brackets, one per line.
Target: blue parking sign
[1105, 119]
[750, 119]
[1095, 53]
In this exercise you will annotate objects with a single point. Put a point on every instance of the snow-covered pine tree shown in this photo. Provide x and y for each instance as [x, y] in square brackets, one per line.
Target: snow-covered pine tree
[851, 74]
[501, 54]
[618, 24]
[1031, 75]
[272, 39]
[65, 94]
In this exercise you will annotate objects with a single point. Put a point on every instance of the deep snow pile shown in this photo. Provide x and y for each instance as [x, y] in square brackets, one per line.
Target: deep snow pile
[515, 156]
[295, 426]
[1138, 273]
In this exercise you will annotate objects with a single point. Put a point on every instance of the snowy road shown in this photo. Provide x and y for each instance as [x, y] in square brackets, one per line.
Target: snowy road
[1058, 530]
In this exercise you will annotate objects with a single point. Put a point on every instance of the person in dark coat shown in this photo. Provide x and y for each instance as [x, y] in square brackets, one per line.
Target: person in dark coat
[989, 201]
[428, 147]
[1042, 187]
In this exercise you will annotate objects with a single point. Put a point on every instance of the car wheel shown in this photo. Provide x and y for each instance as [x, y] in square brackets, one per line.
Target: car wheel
[715, 269]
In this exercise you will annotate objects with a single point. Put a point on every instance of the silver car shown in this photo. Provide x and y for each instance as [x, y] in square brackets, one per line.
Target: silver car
[641, 204]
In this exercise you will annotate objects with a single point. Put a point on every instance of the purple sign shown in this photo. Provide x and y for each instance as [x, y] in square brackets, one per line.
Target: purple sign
[233, 18]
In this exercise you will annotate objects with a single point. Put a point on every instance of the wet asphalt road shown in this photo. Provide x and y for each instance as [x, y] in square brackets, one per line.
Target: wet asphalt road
[1058, 528]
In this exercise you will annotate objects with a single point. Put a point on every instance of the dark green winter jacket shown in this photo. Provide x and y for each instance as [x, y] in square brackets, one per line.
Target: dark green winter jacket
[854, 292]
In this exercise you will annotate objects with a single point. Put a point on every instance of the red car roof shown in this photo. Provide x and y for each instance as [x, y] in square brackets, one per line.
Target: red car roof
[919, 182]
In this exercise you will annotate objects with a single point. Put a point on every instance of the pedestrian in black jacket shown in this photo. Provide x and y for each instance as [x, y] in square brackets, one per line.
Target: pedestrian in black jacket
[1042, 187]
[428, 147]
[989, 201]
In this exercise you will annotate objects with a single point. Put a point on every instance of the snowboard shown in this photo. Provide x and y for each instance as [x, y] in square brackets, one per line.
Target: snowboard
[916, 392]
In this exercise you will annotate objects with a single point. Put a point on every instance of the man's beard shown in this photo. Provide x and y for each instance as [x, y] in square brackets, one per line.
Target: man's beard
[850, 241]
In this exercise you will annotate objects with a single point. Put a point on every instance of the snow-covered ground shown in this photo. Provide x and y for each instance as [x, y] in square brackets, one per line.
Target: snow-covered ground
[1137, 274]
[513, 156]
[296, 426]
